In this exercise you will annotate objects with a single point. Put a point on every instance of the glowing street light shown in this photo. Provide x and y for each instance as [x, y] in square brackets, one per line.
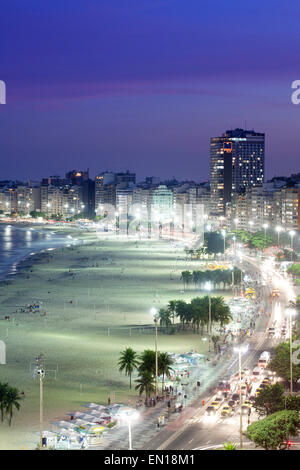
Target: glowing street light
[265, 226]
[291, 312]
[131, 416]
[154, 313]
[234, 239]
[292, 233]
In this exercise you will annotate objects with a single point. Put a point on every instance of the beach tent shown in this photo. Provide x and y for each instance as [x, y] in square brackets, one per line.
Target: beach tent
[50, 437]
[63, 424]
[94, 406]
[99, 414]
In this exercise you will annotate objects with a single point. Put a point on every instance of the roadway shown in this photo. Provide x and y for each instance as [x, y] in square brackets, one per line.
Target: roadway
[198, 432]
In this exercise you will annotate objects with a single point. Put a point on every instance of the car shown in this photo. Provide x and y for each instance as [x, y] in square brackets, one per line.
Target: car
[224, 385]
[267, 381]
[226, 410]
[235, 397]
[262, 362]
[219, 399]
[265, 354]
[252, 398]
[271, 332]
[216, 404]
[257, 372]
[260, 389]
[232, 404]
[246, 409]
[263, 385]
[210, 410]
[275, 293]
[247, 402]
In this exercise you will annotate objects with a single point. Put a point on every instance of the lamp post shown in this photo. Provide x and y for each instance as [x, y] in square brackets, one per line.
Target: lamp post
[251, 223]
[278, 230]
[265, 226]
[292, 233]
[41, 373]
[207, 286]
[48, 207]
[155, 318]
[133, 416]
[234, 240]
[291, 311]
[240, 350]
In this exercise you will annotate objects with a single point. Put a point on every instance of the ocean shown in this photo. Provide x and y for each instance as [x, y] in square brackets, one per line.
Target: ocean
[18, 242]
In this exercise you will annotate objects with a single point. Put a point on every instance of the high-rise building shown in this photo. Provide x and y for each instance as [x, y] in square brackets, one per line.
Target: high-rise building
[237, 161]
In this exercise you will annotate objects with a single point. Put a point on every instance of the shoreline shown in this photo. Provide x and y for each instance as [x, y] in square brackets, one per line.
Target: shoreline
[27, 260]
[93, 294]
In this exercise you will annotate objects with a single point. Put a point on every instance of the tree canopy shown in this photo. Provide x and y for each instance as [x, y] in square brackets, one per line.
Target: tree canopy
[281, 363]
[274, 431]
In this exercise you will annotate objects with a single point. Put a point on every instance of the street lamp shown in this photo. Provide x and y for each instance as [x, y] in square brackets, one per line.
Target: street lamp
[240, 350]
[291, 312]
[208, 287]
[265, 226]
[130, 417]
[236, 221]
[251, 223]
[292, 233]
[234, 239]
[154, 313]
[41, 372]
[48, 206]
[278, 230]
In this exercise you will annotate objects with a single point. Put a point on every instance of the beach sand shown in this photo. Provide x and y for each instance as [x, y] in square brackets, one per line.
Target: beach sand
[97, 298]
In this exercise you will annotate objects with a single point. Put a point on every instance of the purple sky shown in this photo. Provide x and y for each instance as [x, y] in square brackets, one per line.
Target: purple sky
[144, 84]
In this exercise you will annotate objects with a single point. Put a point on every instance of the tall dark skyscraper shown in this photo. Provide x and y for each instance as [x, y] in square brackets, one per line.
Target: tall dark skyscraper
[237, 161]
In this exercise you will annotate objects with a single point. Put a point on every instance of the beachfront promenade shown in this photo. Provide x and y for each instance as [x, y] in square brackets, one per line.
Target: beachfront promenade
[97, 298]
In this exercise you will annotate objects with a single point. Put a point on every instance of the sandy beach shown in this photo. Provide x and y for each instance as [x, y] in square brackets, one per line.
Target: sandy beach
[94, 301]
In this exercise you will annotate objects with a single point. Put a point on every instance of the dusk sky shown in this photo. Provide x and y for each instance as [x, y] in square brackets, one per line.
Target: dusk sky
[143, 84]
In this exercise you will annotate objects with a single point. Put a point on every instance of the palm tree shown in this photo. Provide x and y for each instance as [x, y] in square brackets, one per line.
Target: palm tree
[128, 361]
[3, 394]
[12, 401]
[186, 277]
[164, 317]
[172, 309]
[147, 362]
[164, 366]
[145, 383]
[181, 310]
[220, 311]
